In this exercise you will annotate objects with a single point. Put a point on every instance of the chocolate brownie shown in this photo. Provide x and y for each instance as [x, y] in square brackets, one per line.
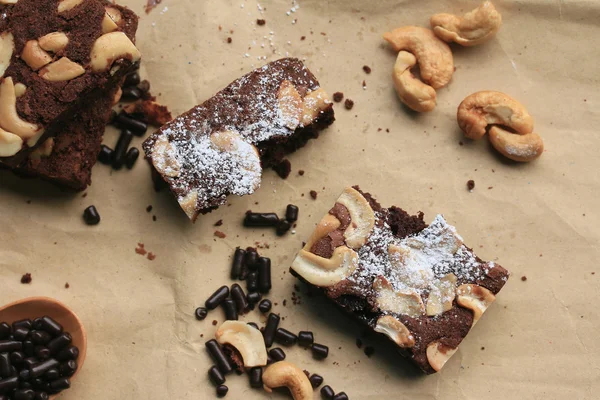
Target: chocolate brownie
[418, 285]
[220, 147]
[56, 56]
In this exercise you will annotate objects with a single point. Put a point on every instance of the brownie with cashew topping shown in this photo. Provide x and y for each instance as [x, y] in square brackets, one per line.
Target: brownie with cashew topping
[418, 285]
[221, 146]
[55, 57]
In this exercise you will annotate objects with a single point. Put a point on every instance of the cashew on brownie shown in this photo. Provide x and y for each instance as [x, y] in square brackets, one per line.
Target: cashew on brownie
[416, 284]
[55, 57]
[221, 146]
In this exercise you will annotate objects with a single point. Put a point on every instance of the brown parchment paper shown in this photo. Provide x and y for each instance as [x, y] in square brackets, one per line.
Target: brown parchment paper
[540, 220]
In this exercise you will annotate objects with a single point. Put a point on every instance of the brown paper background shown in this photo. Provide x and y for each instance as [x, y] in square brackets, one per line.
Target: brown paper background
[540, 219]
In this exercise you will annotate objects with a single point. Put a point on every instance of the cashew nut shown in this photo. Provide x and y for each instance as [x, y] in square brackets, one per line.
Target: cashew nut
[164, 158]
[441, 295]
[43, 150]
[9, 119]
[522, 148]
[414, 93]
[290, 105]
[7, 47]
[399, 302]
[481, 109]
[326, 272]
[475, 298]
[434, 56]
[110, 47]
[108, 25]
[362, 217]
[35, 56]
[314, 102]
[438, 354]
[61, 70]
[20, 89]
[9, 1]
[54, 41]
[396, 331]
[188, 203]
[247, 340]
[10, 144]
[114, 14]
[286, 374]
[475, 27]
[66, 5]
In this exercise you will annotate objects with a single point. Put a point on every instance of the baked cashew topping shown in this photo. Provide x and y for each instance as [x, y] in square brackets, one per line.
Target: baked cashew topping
[313, 103]
[475, 298]
[362, 217]
[326, 272]
[43, 150]
[396, 331]
[54, 41]
[399, 302]
[481, 109]
[9, 119]
[438, 355]
[9, 1]
[188, 203]
[61, 70]
[286, 374]
[415, 94]
[35, 56]
[7, 47]
[10, 144]
[522, 148]
[20, 89]
[110, 47]
[114, 14]
[441, 295]
[434, 56]
[290, 105]
[66, 5]
[475, 27]
[247, 340]
[164, 158]
[108, 25]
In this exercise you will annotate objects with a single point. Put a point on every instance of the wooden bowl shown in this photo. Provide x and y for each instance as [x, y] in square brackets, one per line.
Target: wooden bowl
[34, 307]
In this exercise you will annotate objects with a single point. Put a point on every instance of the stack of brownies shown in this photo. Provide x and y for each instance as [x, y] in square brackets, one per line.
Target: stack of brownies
[61, 66]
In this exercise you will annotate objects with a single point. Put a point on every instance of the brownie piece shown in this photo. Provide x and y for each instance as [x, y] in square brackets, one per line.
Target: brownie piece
[67, 159]
[56, 56]
[220, 147]
[419, 285]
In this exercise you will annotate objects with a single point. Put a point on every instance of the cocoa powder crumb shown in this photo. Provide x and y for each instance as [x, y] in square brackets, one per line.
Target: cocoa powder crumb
[260, 22]
[349, 104]
[229, 40]
[67, 285]
[523, 278]
[149, 208]
[214, 322]
[313, 194]
[369, 351]
[367, 69]
[219, 222]
[220, 234]
[301, 172]
[151, 256]
[470, 185]
[140, 249]
[26, 279]
[303, 38]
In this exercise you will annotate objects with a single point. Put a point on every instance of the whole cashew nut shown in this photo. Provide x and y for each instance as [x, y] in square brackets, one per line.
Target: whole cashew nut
[110, 47]
[35, 56]
[54, 41]
[522, 148]
[286, 374]
[475, 27]
[10, 144]
[434, 56]
[481, 109]
[414, 93]
[246, 339]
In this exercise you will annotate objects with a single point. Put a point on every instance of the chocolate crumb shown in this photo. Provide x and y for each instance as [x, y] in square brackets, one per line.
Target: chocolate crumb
[260, 22]
[229, 40]
[140, 249]
[214, 322]
[301, 172]
[67, 285]
[359, 343]
[283, 168]
[349, 104]
[151, 256]
[364, 84]
[460, 143]
[523, 278]
[338, 96]
[26, 279]
[313, 194]
[490, 187]
[149, 208]
[369, 351]
[219, 222]
[220, 234]
[154, 218]
[367, 69]
[482, 348]
[470, 185]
